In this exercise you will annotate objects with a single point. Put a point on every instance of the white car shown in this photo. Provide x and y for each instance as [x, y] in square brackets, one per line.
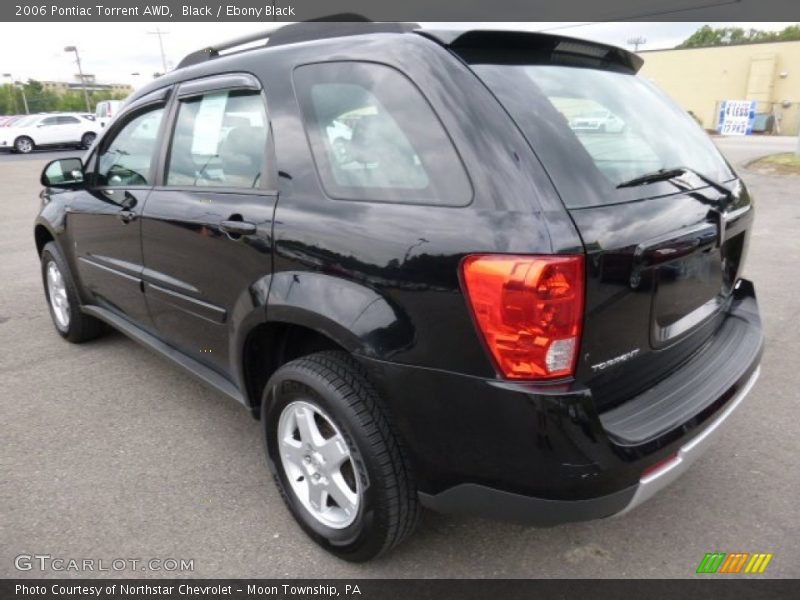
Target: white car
[34, 131]
[602, 121]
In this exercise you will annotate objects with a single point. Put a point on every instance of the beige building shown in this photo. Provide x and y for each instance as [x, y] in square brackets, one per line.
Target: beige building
[700, 78]
[62, 87]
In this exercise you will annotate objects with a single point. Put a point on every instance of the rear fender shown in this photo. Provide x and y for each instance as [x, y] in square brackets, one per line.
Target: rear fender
[351, 314]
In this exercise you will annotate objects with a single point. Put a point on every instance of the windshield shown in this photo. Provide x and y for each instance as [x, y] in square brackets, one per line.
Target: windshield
[608, 126]
[25, 121]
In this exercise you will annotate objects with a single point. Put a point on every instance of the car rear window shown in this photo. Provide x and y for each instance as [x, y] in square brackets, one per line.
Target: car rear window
[598, 128]
[374, 137]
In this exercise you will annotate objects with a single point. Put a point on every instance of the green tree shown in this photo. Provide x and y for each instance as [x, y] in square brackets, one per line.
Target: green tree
[7, 99]
[708, 36]
[41, 100]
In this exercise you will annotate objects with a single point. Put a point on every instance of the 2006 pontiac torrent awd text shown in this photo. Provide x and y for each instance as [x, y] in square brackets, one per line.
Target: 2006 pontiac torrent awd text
[405, 252]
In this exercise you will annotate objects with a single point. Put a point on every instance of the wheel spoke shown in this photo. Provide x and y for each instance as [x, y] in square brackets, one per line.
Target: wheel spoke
[317, 495]
[341, 493]
[307, 426]
[51, 278]
[292, 451]
[334, 451]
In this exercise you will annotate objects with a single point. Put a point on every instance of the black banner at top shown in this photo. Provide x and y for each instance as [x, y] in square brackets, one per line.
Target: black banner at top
[399, 10]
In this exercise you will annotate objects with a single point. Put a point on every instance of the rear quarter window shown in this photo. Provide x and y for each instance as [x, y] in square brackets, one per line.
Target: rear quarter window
[374, 137]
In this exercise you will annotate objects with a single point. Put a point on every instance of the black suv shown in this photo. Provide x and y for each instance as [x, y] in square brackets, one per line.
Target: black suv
[479, 271]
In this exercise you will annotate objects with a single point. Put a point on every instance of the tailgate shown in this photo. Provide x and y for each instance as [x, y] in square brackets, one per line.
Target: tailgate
[660, 274]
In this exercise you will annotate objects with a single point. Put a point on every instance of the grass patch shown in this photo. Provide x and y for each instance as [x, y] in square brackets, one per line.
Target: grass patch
[787, 163]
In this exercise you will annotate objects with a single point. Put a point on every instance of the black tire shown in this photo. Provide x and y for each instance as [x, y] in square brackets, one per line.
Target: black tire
[80, 327]
[87, 139]
[24, 145]
[388, 506]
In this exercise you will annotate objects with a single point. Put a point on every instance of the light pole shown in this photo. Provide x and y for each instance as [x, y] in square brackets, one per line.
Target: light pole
[160, 35]
[22, 89]
[11, 92]
[80, 74]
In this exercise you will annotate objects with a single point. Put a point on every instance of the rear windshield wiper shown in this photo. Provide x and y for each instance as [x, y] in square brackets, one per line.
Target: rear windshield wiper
[666, 174]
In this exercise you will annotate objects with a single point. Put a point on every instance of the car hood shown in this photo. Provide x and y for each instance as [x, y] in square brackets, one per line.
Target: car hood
[6, 131]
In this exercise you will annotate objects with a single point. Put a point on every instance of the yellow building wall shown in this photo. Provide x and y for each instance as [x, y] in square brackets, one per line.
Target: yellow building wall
[699, 78]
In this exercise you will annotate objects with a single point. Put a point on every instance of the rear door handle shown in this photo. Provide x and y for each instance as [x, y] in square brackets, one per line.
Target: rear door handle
[238, 227]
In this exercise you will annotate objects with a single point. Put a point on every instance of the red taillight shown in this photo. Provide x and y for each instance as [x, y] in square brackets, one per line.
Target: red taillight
[529, 310]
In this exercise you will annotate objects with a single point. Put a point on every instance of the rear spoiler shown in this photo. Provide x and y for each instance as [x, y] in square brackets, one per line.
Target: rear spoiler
[525, 48]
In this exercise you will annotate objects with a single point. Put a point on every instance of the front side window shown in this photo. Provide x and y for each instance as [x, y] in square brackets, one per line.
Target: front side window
[68, 120]
[219, 140]
[48, 122]
[374, 137]
[128, 159]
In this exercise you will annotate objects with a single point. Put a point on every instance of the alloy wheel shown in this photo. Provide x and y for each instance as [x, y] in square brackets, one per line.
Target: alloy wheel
[24, 145]
[318, 464]
[57, 292]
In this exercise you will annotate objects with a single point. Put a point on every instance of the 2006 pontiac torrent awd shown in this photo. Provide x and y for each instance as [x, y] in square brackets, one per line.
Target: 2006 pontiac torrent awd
[407, 253]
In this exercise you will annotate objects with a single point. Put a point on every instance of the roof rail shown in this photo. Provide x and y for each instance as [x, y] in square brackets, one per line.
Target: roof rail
[338, 25]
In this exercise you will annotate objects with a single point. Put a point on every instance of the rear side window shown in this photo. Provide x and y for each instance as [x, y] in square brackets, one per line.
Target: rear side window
[374, 137]
[220, 140]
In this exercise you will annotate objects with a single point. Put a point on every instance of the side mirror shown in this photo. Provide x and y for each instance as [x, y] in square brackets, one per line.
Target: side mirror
[63, 173]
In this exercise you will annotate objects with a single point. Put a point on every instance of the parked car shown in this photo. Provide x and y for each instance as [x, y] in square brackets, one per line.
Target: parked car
[106, 110]
[388, 244]
[60, 129]
[9, 120]
[5, 119]
[601, 121]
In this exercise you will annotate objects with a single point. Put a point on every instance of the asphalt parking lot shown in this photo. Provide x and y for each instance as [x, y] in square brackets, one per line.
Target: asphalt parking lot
[110, 452]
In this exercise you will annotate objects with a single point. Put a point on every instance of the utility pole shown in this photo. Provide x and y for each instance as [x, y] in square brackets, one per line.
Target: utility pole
[80, 74]
[24, 97]
[636, 42]
[160, 35]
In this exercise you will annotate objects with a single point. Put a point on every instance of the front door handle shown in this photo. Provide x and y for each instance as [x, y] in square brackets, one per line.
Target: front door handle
[235, 227]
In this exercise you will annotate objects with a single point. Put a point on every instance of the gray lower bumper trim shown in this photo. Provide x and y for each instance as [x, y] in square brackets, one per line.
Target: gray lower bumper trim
[651, 484]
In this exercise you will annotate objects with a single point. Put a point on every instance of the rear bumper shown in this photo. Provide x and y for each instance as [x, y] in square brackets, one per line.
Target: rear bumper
[542, 454]
[481, 500]
[654, 482]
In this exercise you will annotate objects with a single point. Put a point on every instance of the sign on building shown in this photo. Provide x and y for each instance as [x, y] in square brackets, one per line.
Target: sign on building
[736, 117]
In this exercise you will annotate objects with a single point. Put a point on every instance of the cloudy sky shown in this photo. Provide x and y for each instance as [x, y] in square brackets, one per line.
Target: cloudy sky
[114, 51]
